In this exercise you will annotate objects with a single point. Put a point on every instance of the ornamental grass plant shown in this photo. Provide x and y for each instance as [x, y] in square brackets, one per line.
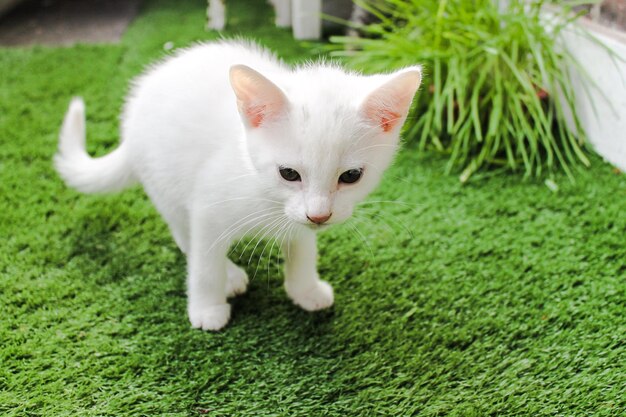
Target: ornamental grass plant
[495, 92]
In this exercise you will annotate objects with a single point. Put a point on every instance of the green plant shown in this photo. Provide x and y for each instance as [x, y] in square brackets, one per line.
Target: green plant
[493, 76]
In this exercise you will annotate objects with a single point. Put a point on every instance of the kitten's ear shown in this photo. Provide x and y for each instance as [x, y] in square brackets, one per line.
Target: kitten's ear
[388, 105]
[259, 100]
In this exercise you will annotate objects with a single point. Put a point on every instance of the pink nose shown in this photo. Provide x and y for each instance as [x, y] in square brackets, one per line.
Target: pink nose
[319, 219]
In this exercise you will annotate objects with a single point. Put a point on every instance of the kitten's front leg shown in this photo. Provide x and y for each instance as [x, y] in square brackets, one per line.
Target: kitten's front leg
[302, 281]
[207, 274]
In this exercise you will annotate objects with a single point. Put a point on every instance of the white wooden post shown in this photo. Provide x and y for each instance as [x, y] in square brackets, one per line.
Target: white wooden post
[306, 19]
[283, 13]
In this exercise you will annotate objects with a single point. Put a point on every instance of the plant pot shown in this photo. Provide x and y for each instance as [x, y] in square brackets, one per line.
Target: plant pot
[601, 107]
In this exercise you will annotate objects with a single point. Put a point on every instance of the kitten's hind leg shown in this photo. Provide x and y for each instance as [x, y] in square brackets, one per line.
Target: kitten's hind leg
[180, 233]
[237, 282]
[178, 222]
[302, 281]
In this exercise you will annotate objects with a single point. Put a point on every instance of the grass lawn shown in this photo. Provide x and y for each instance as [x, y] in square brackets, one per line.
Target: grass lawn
[500, 297]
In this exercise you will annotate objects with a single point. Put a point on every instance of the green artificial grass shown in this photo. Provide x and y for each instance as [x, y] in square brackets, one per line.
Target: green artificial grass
[501, 297]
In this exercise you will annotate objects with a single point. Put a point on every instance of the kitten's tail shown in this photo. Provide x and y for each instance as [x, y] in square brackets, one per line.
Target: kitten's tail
[105, 174]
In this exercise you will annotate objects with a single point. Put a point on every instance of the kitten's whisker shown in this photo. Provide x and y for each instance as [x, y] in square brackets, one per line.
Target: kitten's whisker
[365, 133]
[380, 216]
[232, 229]
[251, 221]
[382, 125]
[277, 225]
[272, 235]
[371, 131]
[250, 174]
[363, 219]
[381, 172]
[259, 240]
[402, 203]
[380, 145]
[385, 210]
[243, 219]
[361, 237]
[269, 255]
[250, 241]
[282, 232]
[253, 238]
[239, 199]
[264, 230]
[281, 246]
[287, 244]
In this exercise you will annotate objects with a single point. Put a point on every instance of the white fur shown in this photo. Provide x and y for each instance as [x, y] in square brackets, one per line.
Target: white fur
[213, 174]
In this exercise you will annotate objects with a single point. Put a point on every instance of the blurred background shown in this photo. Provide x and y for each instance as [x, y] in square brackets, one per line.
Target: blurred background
[62, 22]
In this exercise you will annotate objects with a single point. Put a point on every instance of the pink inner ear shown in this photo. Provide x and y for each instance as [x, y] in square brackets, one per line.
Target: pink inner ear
[388, 120]
[255, 115]
[384, 118]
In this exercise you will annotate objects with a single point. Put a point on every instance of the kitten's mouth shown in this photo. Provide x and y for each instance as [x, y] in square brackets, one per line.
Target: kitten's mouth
[317, 227]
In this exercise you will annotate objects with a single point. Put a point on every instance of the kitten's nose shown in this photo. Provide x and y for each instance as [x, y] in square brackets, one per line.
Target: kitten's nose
[319, 219]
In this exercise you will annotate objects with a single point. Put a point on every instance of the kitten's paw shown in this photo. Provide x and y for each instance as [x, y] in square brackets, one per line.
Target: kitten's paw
[312, 298]
[209, 318]
[237, 282]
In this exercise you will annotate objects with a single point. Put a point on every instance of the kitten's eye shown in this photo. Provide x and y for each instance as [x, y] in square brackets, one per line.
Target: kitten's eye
[289, 174]
[350, 176]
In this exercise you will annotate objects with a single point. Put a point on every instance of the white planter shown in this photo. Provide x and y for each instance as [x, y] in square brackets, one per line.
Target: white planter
[606, 125]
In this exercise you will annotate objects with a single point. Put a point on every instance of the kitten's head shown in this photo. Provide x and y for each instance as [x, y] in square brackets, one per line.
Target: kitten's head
[323, 140]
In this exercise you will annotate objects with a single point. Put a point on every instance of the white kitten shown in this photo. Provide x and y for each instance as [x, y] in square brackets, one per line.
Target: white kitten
[224, 152]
